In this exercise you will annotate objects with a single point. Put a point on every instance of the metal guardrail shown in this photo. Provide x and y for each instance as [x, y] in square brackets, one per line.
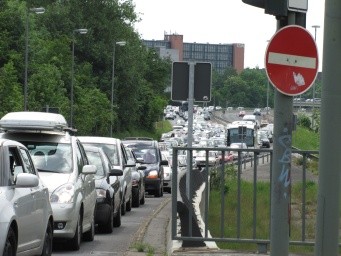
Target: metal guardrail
[190, 206]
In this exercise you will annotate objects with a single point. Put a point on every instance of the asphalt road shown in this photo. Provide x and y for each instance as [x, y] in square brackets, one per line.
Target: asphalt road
[117, 243]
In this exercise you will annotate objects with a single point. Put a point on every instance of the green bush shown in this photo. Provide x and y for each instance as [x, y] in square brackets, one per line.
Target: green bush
[304, 120]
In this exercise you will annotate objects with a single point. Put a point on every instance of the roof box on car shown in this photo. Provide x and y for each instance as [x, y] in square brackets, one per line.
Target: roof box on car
[38, 121]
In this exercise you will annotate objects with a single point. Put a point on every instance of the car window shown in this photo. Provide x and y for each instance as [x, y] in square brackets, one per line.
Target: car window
[82, 151]
[80, 162]
[19, 162]
[27, 163]
[109, 149]
[95, 159]
[124, 154]
[129, 154]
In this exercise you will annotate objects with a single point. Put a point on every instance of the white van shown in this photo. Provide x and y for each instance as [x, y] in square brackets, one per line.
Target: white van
[251, 118]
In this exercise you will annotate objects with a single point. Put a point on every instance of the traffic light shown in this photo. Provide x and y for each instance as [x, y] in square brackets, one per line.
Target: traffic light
[273, 7]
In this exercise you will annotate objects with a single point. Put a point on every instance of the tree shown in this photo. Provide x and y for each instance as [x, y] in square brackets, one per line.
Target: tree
[11, 98]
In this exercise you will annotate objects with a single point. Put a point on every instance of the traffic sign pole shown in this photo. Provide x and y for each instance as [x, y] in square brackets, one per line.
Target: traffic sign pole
[190, 126]
[281, 169]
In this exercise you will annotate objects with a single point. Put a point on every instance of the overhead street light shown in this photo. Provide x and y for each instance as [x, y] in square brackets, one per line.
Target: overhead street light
[38, 10]
[81, 31]
[120, 43]
[267, 91]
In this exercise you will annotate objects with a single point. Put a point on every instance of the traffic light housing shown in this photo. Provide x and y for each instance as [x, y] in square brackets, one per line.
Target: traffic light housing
[273, 7]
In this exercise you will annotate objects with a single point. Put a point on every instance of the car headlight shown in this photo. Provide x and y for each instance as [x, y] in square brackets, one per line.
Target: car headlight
[152, 174]
[101, 193]
[63, 194]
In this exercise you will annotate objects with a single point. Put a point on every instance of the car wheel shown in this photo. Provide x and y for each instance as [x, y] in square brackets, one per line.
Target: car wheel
[161, 190]
[48, 240]
[158, 190]
[128, 205]
[117, 218]
[77, 238]
[10, 248]
[142, 200]
[90, 235]
[123, 207]
[136, 197]
[108, 227]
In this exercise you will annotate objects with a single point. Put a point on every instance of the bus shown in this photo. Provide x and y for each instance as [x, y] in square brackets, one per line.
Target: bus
[241, 132]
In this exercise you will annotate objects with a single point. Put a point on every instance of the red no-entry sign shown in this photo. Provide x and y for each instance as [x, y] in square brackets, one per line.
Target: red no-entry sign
[291, 60]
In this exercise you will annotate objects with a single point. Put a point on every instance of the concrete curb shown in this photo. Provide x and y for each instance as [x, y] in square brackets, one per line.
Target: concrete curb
[153, 231]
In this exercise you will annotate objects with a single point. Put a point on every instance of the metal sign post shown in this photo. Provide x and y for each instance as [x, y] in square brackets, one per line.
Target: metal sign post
[190, 125]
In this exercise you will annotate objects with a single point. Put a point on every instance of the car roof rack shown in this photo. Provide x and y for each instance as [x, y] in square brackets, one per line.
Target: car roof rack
[138, 138]
[34, 121]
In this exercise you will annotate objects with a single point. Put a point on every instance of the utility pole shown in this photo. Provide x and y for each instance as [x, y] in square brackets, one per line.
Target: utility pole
[328, 206]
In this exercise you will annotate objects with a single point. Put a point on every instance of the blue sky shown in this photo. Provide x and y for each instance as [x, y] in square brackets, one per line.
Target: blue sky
[220, 21]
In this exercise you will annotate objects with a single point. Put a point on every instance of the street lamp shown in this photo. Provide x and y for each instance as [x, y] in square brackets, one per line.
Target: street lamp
[38, 10]
[267, 97]
[81, 31]
[120, 43]
[267, 92]
[315, 27]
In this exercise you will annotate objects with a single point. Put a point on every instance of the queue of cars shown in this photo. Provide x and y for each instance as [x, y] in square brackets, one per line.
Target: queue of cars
[208, 135]
[56, 186]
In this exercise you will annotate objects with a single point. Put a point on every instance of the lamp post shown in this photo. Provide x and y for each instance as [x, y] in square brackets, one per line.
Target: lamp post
[81, 31]
[267, 92]
[267, 98]
[38, 10]
[120, 43]
[315, 27]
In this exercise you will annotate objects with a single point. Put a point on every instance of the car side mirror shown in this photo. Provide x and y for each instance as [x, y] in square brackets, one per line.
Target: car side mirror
[115, 172]
[142, 167]
[164, 162]
[89, 169]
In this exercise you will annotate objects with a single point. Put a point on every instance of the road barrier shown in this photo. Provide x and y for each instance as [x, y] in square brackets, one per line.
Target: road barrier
[190, 206]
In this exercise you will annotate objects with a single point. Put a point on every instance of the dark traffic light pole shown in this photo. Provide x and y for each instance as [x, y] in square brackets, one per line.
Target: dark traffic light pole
[282, 143]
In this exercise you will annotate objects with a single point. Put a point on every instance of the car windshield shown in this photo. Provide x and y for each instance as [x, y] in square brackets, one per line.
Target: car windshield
[147, 155]
[109, 149]
[95, 159]
[51, 156]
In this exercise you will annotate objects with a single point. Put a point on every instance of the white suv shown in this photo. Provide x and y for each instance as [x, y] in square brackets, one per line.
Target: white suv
[63, 166]
[26, 220]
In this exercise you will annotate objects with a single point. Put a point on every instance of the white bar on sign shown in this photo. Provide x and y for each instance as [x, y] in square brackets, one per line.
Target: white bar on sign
[291, 60]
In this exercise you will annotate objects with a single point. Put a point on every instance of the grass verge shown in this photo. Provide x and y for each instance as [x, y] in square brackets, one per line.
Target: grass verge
[261, 216]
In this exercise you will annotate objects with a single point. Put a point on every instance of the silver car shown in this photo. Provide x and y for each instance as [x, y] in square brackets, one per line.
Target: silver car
[108, 206]
[26, 219]
[117, 155]
[64, 168]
